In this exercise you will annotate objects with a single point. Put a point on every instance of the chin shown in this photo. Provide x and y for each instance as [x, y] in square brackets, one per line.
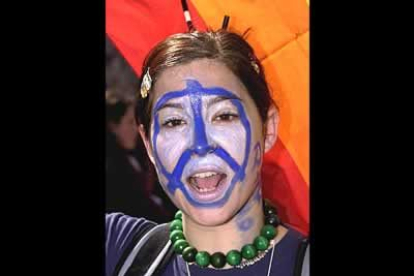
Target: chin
[210, 216]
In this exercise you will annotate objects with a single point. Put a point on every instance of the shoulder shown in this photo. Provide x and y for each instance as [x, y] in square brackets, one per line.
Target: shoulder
[290, 237]
[120, 230]
[299, 246]
[119, 222]
[288, 247]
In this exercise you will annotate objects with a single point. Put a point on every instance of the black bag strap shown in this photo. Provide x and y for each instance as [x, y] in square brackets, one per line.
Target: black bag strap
[150, 254]
[303, 250]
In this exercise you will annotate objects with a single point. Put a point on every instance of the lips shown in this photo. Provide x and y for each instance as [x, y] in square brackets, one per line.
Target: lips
[208, 185]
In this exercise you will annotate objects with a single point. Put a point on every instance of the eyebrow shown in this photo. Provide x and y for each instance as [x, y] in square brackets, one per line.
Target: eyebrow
[222, 98]
[170, 105]
[209, 103]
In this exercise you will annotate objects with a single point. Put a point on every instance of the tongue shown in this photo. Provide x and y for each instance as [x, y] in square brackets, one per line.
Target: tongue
[208, 182]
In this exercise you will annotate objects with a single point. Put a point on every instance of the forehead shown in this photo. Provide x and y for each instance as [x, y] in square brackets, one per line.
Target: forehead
[208, 73]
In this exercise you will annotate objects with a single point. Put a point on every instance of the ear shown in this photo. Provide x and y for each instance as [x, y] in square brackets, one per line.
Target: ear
[271, 126]
[146, 143]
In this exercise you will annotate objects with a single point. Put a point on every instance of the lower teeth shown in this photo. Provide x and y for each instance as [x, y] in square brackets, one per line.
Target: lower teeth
[204, 190]
[193, 183]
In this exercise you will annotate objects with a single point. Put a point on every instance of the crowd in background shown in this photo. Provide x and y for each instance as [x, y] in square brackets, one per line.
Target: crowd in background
[131, 181]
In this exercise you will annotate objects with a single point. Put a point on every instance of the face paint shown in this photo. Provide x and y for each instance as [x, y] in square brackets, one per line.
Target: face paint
[243, 221]
[245, 224]
[258, 155]
[201, 145]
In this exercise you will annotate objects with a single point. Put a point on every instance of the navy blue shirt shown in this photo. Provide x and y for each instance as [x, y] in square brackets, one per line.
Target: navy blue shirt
[121, 228]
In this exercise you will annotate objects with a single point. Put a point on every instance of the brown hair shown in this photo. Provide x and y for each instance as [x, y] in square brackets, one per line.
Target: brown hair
[223, 46]
[116, 106]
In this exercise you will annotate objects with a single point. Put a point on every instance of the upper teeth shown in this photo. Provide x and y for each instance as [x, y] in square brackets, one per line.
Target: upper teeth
[204, 175]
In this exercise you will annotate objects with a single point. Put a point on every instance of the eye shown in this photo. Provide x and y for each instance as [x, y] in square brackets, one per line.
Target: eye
[174, 122]
[226, 117]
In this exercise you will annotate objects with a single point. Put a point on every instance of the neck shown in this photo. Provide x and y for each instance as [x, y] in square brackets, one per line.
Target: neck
[234, 234]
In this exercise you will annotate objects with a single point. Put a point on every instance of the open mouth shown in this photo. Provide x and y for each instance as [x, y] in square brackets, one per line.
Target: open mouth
[207, 186]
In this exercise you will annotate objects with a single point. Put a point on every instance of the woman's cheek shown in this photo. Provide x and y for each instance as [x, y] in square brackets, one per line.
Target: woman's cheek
[232, 139]
[170, 147]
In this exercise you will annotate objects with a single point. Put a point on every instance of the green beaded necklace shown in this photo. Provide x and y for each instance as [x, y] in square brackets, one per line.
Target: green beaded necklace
[233, 257]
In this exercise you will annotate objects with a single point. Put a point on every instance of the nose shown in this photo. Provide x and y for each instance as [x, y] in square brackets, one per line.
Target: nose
[203, 150]
[201, 143]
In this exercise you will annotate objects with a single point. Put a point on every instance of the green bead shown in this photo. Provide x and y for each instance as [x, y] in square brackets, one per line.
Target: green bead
[218, 260]
[189, 254]
[178, 215]
[202, 258]
[233, 257]
[268, 231]
[261, 243]
[249, 251]
[180, 245]
[176, 235]
[176, 225]
[272, 219]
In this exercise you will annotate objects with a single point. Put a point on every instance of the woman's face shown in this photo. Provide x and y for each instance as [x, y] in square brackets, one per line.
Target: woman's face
[126, 130]
[206, 140]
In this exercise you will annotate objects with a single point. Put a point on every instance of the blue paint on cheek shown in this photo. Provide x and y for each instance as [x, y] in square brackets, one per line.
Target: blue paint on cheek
[201, 146]
[246, 125]
[226, 157]
[258, 155]
[175, 178]
[154, 145]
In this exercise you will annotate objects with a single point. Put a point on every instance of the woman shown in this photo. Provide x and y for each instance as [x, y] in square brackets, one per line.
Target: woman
[206, 117]
[128, 174]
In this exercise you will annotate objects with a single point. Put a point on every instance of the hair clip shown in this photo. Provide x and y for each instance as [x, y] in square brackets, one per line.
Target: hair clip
[146, 84]
[256, 67]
